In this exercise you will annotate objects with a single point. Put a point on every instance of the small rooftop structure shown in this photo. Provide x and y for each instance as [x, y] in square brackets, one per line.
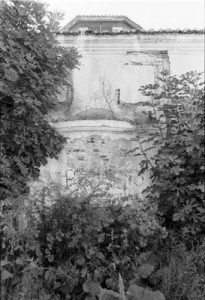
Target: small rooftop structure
[100, 24]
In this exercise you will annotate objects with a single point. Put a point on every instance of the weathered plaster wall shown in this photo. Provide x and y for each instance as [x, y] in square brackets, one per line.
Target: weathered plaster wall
[126, 62]
[186, 51]
[110, 64]
[98, 156]
[97, 150]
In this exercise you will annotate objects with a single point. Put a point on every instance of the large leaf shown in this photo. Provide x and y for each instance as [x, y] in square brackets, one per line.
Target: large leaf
[91, 287]
[108, 295]
[11, 74]
[5, 274]
[145, 270]
[139, 293]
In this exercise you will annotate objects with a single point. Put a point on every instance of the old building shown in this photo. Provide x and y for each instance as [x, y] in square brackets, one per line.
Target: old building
[100, 24]
[101, 113]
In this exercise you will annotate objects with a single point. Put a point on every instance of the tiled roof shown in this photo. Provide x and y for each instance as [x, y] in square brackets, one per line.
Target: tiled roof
[104, 18]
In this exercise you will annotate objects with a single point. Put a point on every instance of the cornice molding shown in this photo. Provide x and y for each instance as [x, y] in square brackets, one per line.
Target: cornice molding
[87, 45]
[103, 127]
[136, 32]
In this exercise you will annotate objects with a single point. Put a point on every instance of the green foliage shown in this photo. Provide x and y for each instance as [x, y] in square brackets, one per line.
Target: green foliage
[140, 293]
[184, 276]
[134, 292]
[77, 249]
[32, 68]
[74, 240]
[177, 168]
[97, 240]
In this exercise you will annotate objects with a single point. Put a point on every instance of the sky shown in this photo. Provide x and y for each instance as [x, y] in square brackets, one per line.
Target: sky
[150, 14]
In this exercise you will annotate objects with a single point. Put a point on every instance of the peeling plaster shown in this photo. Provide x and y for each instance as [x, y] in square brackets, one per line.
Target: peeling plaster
[99, 149]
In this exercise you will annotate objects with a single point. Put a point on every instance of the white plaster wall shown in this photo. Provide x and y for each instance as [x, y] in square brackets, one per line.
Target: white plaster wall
[186, 51]
[182, 63]
[110, 70]
[113, 71]
[107, 58]
[132, 77]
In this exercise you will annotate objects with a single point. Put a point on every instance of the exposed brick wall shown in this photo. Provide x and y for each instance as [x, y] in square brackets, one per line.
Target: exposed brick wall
[101, 162]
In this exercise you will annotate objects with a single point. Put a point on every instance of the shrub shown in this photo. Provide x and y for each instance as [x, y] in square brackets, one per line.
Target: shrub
[134, 292]
[75, 239]
[96, 240]
[177, 168]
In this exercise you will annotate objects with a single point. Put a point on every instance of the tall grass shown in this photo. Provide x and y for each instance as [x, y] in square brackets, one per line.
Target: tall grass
[184, 278]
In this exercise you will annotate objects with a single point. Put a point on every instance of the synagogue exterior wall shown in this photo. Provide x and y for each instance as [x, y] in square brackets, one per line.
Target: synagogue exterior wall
[105, 119]
[98, 157]
[120, 64]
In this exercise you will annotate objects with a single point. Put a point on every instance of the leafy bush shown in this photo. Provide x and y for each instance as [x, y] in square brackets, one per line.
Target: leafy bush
[134, 292]
[75, 239]
[177, 169]
[94, 239]
[32, 68]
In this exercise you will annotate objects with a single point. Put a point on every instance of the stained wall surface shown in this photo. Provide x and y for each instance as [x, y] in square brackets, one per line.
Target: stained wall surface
[126, 62]
[105, 120]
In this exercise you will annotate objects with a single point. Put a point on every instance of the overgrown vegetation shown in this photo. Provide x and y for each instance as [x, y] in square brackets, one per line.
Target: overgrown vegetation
[32, 68]
[177, 169]
[76, 249]
[75, 239]
[73, 246]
